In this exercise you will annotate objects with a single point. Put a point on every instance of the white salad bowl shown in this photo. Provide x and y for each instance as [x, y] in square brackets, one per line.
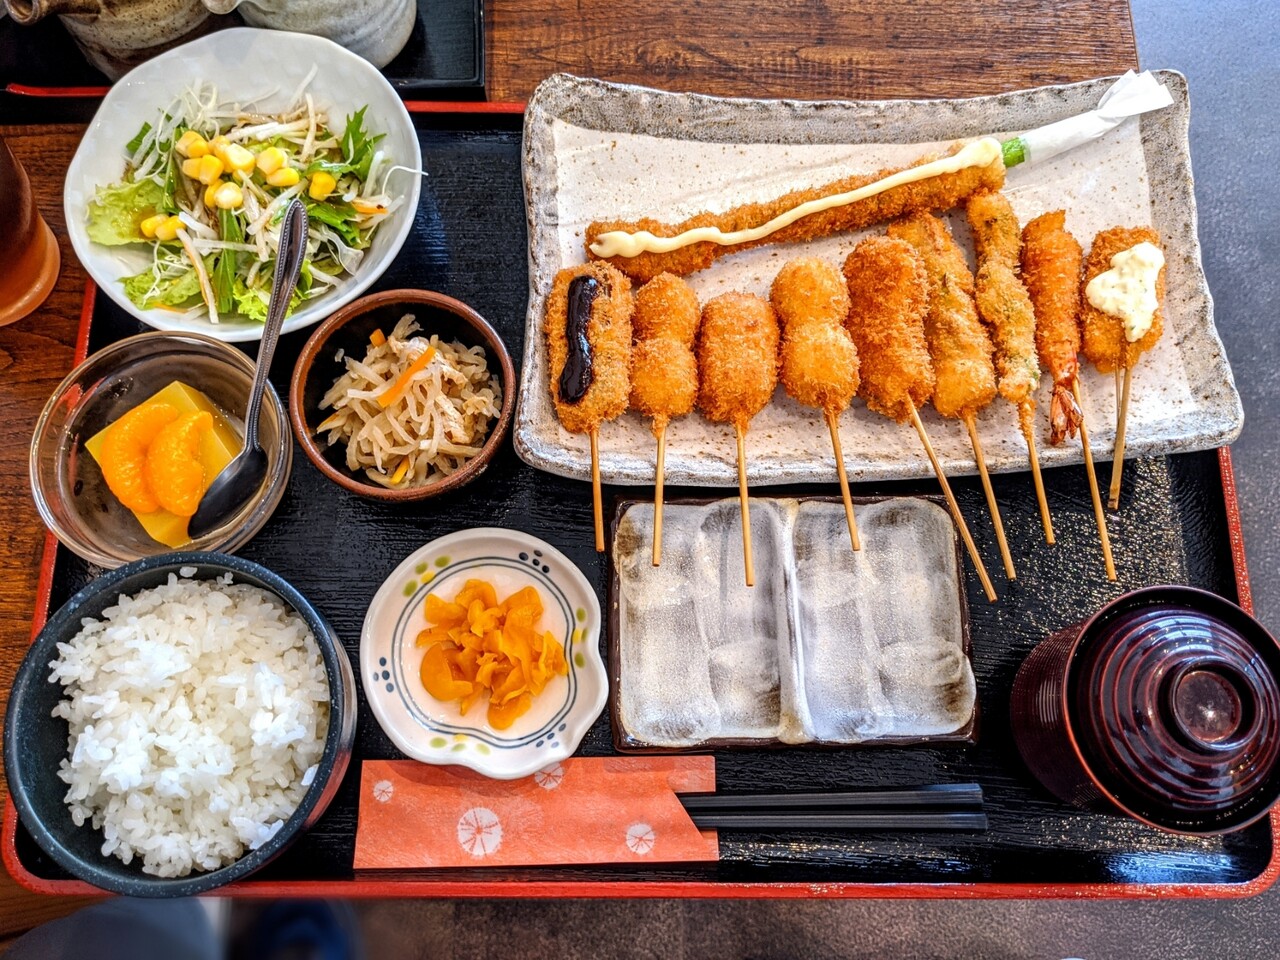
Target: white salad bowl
[265, 67]
[429, 730]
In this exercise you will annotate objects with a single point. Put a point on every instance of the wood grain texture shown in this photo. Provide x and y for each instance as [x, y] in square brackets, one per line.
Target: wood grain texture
[809, 49]
[35, 353]
[841, 48]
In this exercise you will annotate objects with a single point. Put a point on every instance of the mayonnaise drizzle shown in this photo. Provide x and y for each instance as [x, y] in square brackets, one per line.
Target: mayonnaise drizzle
[1128, 289]
[620, 243]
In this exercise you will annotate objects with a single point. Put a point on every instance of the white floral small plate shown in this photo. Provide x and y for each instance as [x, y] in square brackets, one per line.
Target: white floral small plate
[434, 732]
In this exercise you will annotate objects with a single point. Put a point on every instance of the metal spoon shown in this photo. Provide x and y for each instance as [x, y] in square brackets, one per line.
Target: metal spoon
[242, 477]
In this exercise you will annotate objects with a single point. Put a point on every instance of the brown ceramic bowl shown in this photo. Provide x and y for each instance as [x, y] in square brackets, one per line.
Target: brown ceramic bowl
[1164, 707]
[349, 330]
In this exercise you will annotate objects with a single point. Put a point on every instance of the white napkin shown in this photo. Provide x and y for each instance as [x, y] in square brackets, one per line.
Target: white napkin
[1132, 94]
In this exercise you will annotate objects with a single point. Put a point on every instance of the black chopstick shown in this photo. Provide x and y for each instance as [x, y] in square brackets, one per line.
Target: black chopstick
[904, 821]
[946, 795]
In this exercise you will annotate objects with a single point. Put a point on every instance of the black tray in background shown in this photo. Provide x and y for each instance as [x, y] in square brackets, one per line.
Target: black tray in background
[469, 241]
[444, 58]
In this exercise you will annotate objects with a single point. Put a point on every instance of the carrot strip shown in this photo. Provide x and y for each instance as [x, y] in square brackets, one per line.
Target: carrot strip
[393, 393]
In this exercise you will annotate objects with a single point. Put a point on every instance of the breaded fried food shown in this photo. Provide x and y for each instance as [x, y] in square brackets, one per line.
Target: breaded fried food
[664, 369]
[666, 306]
[1003, 302]
[958, 342]
[809, 290]
[1104, 341]
[995, 228]
[664, 379]
[608, 341]
[819, 365]
[1051, 273]
[737, 358]
[889, 296]
[939, 192]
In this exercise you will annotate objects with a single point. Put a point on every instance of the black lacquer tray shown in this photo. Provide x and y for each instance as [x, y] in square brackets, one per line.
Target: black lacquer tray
[1178, 525]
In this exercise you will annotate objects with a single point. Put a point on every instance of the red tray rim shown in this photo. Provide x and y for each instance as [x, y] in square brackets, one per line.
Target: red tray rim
[691, 889]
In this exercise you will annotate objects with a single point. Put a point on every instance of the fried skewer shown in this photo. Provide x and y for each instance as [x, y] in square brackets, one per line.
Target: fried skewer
[1006, 308]
[819, 363]
[958, 344]
[738, 372]
[626, 244]
[588, 329]
[1051, 271]
[889, 296]
[664, 369]
[1122, 319]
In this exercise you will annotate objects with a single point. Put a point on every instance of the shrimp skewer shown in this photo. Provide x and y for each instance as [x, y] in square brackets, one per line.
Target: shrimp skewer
[1006, 308]
[889, 296]
[664, 369]
[1051, 270]
[587, 326]
[958, 344]
[1122, 322]
[738, 372]
[819, 363]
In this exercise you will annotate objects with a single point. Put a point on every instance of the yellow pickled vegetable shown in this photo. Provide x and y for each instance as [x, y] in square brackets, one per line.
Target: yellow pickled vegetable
[478, 648]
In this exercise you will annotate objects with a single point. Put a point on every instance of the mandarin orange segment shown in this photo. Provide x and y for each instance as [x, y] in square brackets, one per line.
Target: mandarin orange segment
[173, 469]
[124, 454]
[479, 648]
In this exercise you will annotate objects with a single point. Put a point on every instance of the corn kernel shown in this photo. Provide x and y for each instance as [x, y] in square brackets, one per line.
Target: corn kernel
[210, 190]
[237, 157]
[191, 144]
[322, 184]
[168, 230]
[149, 225]
[270, 160]
[284, 177]
[210, 170]
[228, 197]
[218, 146]
[191, 167]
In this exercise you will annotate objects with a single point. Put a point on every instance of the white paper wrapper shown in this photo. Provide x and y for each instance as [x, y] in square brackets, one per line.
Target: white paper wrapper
[1131, 95]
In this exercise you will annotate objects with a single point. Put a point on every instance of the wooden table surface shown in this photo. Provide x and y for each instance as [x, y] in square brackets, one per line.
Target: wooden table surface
[791, 48]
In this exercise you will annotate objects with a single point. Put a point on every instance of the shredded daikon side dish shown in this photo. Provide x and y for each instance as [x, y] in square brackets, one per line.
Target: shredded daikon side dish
[431, 427]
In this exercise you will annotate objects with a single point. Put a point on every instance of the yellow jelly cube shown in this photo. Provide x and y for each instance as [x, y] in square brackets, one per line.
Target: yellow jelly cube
[217, 449]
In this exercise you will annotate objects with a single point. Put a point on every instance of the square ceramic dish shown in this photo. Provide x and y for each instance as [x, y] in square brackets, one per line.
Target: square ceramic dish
[830, 648]
[601, 151]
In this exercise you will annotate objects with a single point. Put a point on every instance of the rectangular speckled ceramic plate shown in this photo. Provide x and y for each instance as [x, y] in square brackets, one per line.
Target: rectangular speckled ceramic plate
[602, 151]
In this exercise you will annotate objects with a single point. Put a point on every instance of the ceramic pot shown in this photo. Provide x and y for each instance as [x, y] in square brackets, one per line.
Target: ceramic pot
[29, 257]
[374, 29]
[117, 35]
[1163, 707]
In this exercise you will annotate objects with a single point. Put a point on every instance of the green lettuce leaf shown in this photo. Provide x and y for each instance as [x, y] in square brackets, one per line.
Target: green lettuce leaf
[180, 291]
[252, 304]
[116, 211]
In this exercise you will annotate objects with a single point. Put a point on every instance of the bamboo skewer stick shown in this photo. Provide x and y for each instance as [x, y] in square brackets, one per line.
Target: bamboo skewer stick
[833, 423]
[658, 480]
[1098, 514]
[1117, 462]
[746, 509]
[955, 507]
[596, 506]
[992, 506]
[1045, 520]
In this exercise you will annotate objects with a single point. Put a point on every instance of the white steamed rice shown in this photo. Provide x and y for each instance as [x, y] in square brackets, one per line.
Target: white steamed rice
[197, 712]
